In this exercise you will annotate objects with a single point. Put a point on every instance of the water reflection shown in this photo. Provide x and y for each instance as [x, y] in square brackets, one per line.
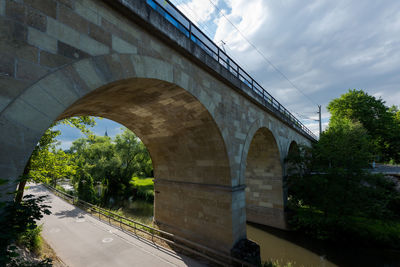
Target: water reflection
[140, 210]
[276, 248]
[302, 251]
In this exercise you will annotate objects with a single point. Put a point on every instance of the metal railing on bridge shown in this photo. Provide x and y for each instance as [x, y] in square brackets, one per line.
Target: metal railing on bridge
[184, 244]
[180, 21]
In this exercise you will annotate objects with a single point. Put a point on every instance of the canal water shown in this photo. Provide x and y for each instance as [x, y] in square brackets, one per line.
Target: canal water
[285, 247]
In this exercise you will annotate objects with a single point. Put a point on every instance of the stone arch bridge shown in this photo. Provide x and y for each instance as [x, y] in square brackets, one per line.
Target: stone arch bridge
[217, 146]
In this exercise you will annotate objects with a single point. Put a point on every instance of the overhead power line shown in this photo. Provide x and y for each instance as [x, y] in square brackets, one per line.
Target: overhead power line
[262, 55]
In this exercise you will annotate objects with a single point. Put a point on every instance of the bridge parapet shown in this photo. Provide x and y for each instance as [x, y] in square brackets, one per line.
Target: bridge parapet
[189, 37]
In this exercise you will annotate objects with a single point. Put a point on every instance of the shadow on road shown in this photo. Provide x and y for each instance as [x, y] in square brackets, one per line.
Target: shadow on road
[74, 213]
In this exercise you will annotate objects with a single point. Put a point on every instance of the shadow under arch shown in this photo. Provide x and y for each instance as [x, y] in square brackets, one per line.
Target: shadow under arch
[293, 148]
[189, 156]
[264, 181]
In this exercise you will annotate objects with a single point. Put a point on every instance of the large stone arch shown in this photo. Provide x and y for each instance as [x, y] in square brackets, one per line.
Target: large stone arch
[262, 172]
[160, 104]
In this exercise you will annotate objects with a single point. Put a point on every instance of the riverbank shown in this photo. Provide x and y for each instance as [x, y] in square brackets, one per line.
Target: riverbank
[300, 250]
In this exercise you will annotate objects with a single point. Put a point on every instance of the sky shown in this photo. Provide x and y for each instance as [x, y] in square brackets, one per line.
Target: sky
[323, 47]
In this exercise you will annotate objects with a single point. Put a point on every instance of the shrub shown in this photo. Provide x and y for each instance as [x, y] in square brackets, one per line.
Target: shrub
[31, 239]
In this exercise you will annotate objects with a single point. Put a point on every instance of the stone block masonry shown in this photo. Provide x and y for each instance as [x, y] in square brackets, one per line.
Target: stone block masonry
[207, 139]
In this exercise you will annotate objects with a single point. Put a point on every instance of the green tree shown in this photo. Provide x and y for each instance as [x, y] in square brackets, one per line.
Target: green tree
[48, 141]
[375, 117]
[330, 188]
[51, 166]
[134, 156]
[113, 163]
[85, 187]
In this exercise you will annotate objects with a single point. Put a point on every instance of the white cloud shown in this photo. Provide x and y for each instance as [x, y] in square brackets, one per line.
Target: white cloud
[197, 11]
[324, 47]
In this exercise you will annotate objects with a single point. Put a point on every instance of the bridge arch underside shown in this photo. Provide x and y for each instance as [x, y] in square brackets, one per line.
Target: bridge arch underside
[192, 175]
[264, 181]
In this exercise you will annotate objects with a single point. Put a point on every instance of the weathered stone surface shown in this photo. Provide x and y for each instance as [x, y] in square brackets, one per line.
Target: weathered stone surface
[48, 7]
[71, 52]
[87, 72]
[60, 88]
[16, 11]
[67, 3]
[128, 69]
[7, 65]
[72, 19]
[116, 31]
[2, 7]
[100, 35]
[53, 60]
[36, 20]
[109, 67]
[122, 46]
[92, 47]
[29, 71]
[12, 31]
[22, 113]
[9, 89]
[35, 97]
[62, 32]
[87, 13]
[42, 40]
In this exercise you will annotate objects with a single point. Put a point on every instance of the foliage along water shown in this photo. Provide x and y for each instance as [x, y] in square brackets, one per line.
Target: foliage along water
[291, 247]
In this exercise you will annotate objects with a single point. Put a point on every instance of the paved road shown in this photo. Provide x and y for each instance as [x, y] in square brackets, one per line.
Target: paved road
[80, 240]
[387, 169]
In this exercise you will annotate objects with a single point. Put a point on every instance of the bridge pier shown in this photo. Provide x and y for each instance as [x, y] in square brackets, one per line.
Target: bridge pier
[210, 215]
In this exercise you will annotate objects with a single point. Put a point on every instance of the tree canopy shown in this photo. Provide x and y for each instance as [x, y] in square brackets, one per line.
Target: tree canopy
[381, 122]
[331, 191]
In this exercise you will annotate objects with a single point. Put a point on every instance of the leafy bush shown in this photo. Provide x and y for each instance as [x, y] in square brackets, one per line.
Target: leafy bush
[16, 219]
[31, 239]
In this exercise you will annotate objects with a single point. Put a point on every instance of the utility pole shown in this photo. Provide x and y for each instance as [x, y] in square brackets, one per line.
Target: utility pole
[319, 120]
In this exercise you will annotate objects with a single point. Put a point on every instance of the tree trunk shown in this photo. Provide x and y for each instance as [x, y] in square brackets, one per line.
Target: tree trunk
[21, 186]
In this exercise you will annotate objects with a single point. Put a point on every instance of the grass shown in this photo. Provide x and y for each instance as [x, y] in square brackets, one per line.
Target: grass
[49, 253]
[277, 264]
[144, 187]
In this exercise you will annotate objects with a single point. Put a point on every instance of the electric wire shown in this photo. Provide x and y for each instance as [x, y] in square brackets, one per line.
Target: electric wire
[204, 27]
[262, 55]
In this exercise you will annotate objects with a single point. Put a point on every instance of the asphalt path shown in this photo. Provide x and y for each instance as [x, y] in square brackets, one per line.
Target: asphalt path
[81, 240]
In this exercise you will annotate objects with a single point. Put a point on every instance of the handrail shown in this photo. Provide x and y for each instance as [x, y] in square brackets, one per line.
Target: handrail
[181, 22]
[152, 230]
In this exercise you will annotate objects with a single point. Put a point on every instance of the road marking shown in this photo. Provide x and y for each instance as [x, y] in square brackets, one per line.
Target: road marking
[55, 230]
[107, 240]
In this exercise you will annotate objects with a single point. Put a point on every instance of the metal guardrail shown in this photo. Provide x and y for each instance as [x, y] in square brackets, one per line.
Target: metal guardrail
[177, 241]
[180, 21]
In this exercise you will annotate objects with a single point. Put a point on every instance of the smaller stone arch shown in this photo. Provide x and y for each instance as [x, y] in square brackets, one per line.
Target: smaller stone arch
[293, 147]
[263, 178]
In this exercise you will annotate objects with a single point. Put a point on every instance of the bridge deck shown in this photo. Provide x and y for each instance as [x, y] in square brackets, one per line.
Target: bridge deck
[188, 38]
[80, 240]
